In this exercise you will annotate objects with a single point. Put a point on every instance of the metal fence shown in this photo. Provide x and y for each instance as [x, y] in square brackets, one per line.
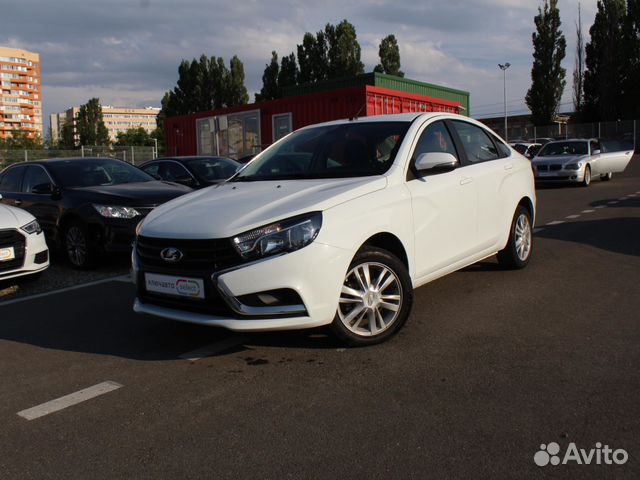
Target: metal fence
[133, 155]
[627, 130]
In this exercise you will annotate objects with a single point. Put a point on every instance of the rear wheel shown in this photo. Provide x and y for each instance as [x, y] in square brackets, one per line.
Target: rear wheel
[587, 176]
[375, 298]
[520, 245]
[606, 177]
[77, 247]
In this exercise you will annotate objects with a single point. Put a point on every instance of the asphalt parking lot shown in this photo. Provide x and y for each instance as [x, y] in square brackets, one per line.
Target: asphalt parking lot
[491, 365]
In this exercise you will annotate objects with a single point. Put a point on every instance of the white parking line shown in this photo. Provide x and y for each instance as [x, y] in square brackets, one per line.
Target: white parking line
[69, 400]
[119, 278]
[555, 222]
[600, 206]
[613, 202]
[123, 278]
[587, 211]
[214, 348]
[572, 216]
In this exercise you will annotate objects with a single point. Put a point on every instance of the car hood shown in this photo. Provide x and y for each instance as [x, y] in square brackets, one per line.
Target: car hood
[559, 159]
[230, 208]
[11, 217]
[134, 194]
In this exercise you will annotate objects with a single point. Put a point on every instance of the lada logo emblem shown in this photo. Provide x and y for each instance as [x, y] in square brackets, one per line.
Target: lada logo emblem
[171, 255]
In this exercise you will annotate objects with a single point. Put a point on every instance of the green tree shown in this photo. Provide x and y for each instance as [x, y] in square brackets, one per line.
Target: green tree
[134, 136]
[343, 50]
[21, 140]
[632, 42]
[547, 74]
[235, 91]
[313, 58]
[67, 136]
[578, 72]
[606, 64]
[288, 74]
[389, 53]
[90, 125]
[269, 89]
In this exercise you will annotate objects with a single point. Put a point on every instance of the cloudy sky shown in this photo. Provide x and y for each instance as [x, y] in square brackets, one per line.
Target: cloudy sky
[126, 52]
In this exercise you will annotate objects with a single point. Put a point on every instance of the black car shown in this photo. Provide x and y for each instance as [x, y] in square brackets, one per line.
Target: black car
[85, 206]
[194, 172]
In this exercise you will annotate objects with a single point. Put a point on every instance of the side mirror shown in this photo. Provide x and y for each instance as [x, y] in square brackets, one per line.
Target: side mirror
[596, 152]
[436, 162]
[42, 189]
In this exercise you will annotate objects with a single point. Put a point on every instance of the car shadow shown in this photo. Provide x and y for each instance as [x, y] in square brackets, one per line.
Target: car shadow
[617, 235]
[99, 320]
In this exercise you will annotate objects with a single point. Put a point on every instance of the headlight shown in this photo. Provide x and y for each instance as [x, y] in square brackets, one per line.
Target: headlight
[32, 227]
[285, 236]
[573, 166]
[111, 211]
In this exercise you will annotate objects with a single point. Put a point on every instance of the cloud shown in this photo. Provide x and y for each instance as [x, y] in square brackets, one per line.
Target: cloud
[127, 52]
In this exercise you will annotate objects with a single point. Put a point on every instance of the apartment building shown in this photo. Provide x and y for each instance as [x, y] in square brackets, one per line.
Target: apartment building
[116, 119]
[20, 93]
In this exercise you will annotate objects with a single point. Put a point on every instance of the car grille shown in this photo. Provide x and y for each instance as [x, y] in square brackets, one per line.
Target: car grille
[555, 168]
[12, 238]
[542, 168]
[211, 255]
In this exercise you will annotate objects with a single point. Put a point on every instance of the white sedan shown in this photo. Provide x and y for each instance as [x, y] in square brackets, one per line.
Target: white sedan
[23, 249]
[336, 224]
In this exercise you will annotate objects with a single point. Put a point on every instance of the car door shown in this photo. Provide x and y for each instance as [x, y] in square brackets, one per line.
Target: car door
[489, 162]
[38, 198]
[615, 156]
[10, 185]
[443, 207]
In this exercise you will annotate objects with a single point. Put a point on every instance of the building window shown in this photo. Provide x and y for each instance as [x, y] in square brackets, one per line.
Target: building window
[281, 125]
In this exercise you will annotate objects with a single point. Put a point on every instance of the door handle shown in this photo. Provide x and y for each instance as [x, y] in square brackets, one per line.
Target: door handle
[508, 166]
[466, 180]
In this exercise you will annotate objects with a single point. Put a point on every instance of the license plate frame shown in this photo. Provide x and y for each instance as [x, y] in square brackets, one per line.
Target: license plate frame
[175, 286]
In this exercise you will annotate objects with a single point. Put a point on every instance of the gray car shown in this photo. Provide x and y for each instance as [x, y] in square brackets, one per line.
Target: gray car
[579, 160]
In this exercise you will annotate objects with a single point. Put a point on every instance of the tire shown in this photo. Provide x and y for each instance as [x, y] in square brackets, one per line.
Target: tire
[377, 318]
[517, 254]
[77, 247]
[606, 177]
[587, 176]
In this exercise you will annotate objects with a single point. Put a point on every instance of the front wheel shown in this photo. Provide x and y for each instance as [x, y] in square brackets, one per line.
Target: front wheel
[517, 253]
[77, 247]
[587, 176]
[375, 299]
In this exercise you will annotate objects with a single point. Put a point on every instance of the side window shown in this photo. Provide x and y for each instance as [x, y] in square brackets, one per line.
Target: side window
[476, 142]
[151, 169]
[35, 176]
[435, 138]
[503, 150]
[172, 171]
[594, 146]
[11, 179]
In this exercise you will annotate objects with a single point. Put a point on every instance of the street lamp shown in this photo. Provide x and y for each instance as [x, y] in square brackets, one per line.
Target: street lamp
[504, 74]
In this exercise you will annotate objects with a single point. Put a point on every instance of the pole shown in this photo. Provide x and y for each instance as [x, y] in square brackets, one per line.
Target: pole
[26, 156]
[504, 83]
[133, 156]
[155, 151]
[82, 150]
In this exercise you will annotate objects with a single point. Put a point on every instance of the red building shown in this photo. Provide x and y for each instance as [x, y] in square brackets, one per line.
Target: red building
[246, 129]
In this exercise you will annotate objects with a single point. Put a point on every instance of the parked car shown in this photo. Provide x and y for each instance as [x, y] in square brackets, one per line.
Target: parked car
[23, 249]
[85, 206]
[336, 224]
[529, 150]
[541, 140]
[578, 161]
[194, 172]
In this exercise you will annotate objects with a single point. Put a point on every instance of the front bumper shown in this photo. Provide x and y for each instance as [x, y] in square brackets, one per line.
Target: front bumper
[569, 176]
[315, 273]
[35, 258]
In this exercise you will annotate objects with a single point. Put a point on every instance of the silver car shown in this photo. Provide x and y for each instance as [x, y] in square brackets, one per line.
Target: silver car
[579, 160]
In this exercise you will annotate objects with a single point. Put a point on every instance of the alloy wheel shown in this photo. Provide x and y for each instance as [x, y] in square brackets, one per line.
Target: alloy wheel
[523, 237]
[76, 244]
[370, 299]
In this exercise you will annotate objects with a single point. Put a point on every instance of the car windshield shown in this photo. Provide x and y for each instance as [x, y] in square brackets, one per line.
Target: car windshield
[330, 151]
[564, 148]
[96, 171]
[213, 169]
